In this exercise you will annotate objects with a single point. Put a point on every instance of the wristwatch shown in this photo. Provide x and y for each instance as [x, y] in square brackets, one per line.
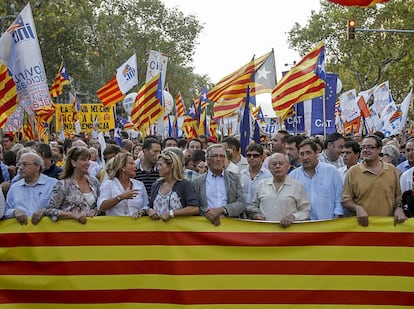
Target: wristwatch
[171, 213]
[225, 212]
[118, 198]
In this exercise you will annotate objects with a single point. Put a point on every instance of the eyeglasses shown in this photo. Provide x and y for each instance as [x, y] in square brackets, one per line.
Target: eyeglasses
[24, 164]
[370, 147]
[216, 156]
[252, 155]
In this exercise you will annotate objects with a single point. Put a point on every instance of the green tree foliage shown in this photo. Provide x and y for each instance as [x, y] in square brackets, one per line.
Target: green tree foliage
[372, 57]
[95, 37]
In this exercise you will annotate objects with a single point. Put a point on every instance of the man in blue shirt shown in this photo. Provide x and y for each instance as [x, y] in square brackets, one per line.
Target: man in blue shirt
[322, 182]
[30, 195]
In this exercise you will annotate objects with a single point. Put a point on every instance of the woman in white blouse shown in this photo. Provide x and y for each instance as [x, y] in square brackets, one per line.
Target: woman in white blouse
[121, 194]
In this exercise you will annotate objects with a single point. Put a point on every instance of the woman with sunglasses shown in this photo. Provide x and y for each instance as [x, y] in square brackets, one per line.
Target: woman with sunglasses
[76, 193]
[172, 195]
[121, 194]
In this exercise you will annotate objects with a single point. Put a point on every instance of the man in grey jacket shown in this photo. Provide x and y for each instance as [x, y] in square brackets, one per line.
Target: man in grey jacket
[219, 190]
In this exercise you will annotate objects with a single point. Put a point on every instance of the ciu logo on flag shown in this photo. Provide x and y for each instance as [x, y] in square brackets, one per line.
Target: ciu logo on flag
[129, 72]
[21, 31]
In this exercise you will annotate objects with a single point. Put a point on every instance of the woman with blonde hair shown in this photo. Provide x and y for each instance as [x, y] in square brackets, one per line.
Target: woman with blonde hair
[76, 193]
[121, 194]
[172, 195]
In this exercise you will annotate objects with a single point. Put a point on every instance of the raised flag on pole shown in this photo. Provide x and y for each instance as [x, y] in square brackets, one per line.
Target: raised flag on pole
[304, 81]
[190, 123]
[125, 78]
[147, 108]
[61, 79]
[179, 103]
[127, 74]
[157, 63]
[398, 119]
[20, 53]
[259, 74]
[226, 108]
[75, 105]
[245, 124]
[8, 95]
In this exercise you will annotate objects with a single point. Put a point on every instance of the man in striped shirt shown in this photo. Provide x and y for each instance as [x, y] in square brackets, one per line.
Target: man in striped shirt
[147, 171]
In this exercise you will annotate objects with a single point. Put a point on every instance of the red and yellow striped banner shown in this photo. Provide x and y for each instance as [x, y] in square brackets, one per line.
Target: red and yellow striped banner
[189, 263]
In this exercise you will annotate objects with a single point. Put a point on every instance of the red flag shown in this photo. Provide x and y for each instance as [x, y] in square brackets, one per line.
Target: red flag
[363, 107]
[110, 93]
[364, 3]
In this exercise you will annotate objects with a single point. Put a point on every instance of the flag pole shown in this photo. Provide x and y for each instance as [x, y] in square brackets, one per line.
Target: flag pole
[324, 114]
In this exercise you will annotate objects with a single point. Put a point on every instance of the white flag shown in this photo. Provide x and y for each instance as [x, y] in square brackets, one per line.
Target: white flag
[382, 98]
[20, 52]
[127, 74]
[157, 62]
[349, 106]
[394, 124]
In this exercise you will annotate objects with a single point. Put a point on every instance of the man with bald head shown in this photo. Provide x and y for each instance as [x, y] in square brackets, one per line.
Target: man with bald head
[29, 196]
[280, 198]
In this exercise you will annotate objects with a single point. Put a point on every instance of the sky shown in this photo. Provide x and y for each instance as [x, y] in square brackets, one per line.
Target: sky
[235, 30]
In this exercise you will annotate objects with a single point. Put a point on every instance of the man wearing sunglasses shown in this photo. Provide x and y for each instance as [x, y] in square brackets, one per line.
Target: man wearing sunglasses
[255, 172]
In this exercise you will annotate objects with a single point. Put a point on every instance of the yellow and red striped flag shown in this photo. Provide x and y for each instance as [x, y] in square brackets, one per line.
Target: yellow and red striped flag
[112, 262]
[125, 78]
[46, 113]
[147, 108]
[41, 130]
[61, 79]
[226, 108]
[179, 103]
[303, 82]
[28, 131]
[213, 127]
[190, 127]
[110, 93]
[8, 95]
[259, 74]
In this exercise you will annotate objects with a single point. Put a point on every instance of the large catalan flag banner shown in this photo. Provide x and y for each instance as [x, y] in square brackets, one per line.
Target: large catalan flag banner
[114, 262]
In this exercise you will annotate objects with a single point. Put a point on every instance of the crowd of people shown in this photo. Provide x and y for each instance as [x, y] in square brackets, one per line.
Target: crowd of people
[290, 178]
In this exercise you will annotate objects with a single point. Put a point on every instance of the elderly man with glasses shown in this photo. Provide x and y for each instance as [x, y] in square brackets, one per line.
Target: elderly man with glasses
[372, 187]
[29, 196]
[219, 190]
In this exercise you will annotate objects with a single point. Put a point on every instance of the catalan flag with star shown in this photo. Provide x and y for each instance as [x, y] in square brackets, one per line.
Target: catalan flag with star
[305, 81]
